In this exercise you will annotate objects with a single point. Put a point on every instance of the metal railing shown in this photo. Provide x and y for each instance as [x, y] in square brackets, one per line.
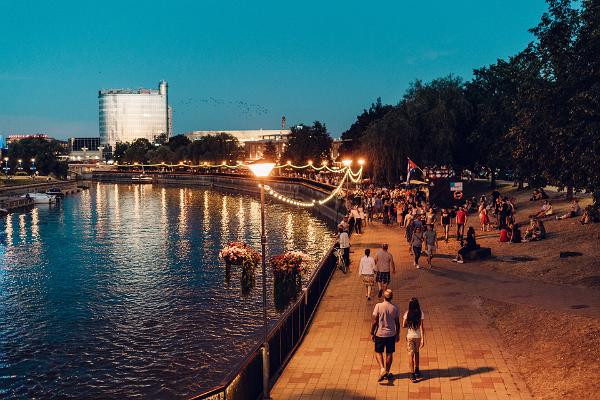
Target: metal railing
[245, 381]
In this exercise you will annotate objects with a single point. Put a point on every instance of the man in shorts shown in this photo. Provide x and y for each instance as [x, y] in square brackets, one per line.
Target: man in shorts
[384, 264]
[431, 242]
[385, 332]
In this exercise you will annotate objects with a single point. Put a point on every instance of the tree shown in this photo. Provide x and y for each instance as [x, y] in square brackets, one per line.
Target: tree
[430, 125]
[215, 149]
[45, 153]
[119, 151]
[493, 92]
[161, 154]
[270, 151]
[136, 152]
[544, 137]
[585, 101]
[351, 139]
[307, 143]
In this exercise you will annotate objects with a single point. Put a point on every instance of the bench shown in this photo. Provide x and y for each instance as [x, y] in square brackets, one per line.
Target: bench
[478, 254]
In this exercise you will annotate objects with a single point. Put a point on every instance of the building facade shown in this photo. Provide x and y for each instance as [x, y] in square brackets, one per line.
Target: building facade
[85, 149]
[130, 114]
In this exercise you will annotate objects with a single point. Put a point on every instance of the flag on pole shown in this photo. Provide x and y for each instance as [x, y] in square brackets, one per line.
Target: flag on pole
[411, 167]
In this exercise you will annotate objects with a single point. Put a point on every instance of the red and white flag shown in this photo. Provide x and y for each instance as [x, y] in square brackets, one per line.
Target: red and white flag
[411, 167]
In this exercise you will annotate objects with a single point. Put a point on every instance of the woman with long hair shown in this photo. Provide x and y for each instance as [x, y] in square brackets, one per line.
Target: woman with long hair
[415, 336]
[469, 244]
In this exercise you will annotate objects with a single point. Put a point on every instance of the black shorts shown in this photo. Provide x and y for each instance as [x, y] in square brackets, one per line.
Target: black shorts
[383, 277]
[387, 343]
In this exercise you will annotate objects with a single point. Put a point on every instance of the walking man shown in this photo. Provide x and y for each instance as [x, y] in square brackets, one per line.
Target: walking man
[385, 332]
[344, 242]
[431, 242]
[384, 263]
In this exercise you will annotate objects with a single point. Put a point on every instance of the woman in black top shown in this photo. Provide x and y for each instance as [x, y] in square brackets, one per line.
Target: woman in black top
[469, 244]
[445, 222]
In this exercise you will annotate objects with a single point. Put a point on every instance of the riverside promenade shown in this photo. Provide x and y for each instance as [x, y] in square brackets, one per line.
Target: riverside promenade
[463, 357]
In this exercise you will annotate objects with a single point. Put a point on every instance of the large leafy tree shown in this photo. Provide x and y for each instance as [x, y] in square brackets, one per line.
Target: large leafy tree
[215, 149]
[351, 139]
[308, 143]
[430, 125]
[45, 152]
[136, 151]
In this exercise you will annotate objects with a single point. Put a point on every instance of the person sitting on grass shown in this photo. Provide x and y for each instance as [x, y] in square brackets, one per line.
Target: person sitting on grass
[536, 231]
[574, 212]
[538, 194]
[545, 211]
[515, 235]
[470, 243]
[590, 215]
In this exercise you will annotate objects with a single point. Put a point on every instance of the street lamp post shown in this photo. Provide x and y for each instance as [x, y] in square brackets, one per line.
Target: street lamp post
[32, 168]
[20, 167]
[261, 170]
[6, 166]
[347, 163]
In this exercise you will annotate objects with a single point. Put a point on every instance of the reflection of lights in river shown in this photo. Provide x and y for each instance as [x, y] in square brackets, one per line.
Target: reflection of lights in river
[22, 232]
[9, 229]
[182, 226]
[35, 224]
[240, 219]
[288, 233]
[224, 218]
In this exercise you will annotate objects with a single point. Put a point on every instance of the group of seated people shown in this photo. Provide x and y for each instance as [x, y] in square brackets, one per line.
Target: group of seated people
[538, 194]
[535, 231]
[511, 234]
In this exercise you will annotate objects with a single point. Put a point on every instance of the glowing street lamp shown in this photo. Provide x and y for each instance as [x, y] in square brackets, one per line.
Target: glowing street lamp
[361, 162]
[32, 168]
[347, 163]
[6, 166]
[261, 169]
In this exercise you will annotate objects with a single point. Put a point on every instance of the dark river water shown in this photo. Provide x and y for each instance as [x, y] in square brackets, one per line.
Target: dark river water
[118, 292]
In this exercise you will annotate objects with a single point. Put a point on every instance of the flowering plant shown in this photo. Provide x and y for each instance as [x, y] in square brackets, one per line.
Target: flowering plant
[238, 252]
[290, 262]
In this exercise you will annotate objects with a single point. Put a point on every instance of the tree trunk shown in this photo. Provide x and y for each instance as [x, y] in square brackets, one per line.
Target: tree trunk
[520, 184]
[493, 180]
[569, 192]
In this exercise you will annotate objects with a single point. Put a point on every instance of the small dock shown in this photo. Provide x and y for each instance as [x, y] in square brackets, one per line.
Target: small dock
[11, 200]
[14, 203]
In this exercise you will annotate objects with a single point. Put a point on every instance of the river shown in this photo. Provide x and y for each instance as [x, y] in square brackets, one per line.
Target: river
[118, 292]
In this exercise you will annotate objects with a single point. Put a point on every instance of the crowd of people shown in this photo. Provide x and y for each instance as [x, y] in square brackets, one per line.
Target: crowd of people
[411, 210]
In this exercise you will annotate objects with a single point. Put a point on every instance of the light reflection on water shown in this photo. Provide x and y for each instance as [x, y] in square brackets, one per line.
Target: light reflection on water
[118, 292]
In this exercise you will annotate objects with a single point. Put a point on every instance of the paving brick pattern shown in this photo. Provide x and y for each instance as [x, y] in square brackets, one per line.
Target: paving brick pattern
[463, 357]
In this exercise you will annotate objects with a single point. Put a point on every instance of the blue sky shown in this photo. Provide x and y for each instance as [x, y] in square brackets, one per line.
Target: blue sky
[240, 64]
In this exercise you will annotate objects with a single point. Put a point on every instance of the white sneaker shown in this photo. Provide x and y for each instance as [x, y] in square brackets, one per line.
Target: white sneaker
[455, 260]
[460, 261]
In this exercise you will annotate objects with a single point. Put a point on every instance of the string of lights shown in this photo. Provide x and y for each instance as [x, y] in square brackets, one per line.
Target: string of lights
[311, 203]
[225, 165]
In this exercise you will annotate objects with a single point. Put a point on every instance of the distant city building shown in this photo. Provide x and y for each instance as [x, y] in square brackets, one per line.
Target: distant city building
[254, 141]
[2, 142]
[81, 149]
[130, 114]
[20, 136]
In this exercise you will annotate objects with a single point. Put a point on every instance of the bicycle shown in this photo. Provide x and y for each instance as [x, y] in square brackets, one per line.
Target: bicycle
[340, 262]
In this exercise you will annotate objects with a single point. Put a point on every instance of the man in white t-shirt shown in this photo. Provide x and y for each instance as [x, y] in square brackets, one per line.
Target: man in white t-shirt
[366, 271]
[344, 242]
[385, 332]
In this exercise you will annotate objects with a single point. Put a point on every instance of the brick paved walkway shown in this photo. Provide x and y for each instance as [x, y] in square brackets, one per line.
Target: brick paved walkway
[463, 357]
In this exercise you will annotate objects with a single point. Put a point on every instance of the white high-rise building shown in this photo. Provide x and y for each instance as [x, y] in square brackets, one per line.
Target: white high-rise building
[129, 114]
